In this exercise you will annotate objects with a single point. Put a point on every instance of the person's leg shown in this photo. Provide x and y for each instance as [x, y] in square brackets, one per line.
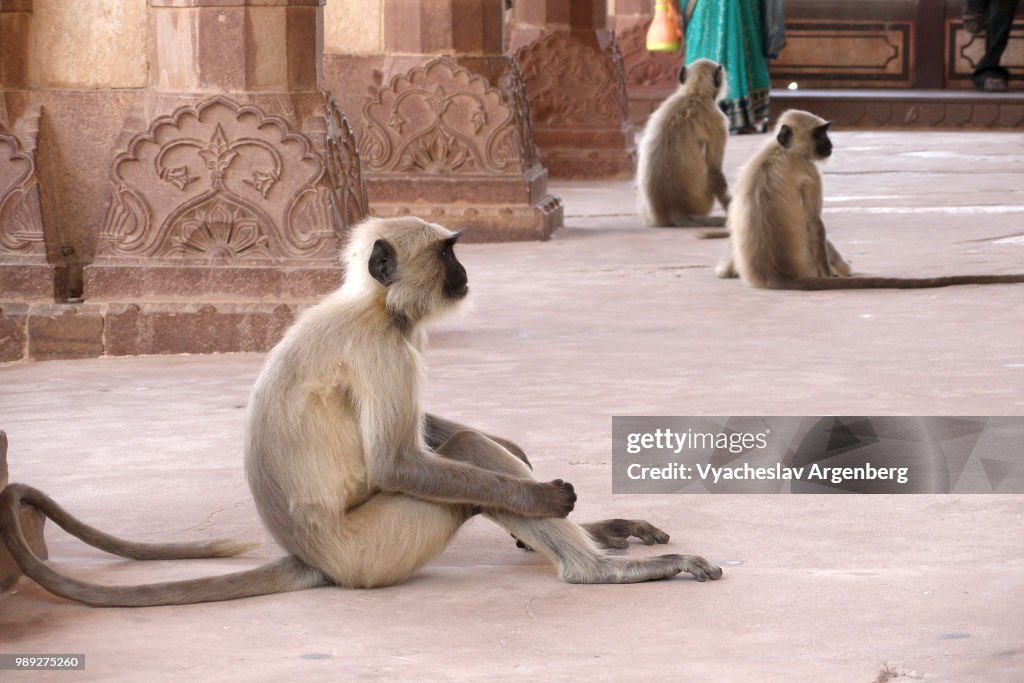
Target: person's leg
[988, 74]
[975, 12]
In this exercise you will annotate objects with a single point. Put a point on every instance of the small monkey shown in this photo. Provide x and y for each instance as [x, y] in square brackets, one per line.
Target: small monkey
[349, 475]
[776, 231]
[679, 158]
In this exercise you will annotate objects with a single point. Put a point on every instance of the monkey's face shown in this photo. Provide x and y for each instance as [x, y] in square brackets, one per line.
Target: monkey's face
[804, 134]
[422, 276]
[455, 282]
[822, 145]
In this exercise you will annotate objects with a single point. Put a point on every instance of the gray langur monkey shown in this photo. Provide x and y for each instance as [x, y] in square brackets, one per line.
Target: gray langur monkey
[680, 154]
[781, 186]
[351, 478]
[777, 235]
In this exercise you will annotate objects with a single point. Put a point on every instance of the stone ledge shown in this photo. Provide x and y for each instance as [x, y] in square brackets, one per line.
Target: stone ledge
[889, 108]
[90, 330]
[906, 108]
[112, 280]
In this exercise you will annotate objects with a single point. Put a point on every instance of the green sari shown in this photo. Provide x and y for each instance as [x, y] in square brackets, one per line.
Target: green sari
[729, 32]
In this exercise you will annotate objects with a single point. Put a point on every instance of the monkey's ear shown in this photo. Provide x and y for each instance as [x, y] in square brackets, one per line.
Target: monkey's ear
[785, 136]
[718, 76]
[682, 74]
[825, 126]
[383, 262]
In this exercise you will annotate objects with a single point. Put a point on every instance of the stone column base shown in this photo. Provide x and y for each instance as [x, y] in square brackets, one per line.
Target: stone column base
[225, 218]
[514, 223]
[168, 281]
[25, 272]
[32, 522]
[33, 281]
[448, 140]
[66, 331]
[578, 106]
[587, 154]
[218, 197]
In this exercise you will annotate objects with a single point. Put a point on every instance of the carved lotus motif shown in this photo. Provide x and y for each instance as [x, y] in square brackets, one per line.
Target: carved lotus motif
[218, 155]
[218, 230]
[436, 152]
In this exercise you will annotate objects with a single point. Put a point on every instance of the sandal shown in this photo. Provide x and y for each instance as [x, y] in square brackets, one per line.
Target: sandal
[993, 84]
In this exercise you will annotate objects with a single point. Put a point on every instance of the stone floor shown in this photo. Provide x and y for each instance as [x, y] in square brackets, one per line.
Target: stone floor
[608, 318]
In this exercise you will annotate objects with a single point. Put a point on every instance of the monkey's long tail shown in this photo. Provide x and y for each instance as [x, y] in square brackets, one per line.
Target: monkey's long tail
[118, 546]
[713, 234]
[286, 574]
[899, 282]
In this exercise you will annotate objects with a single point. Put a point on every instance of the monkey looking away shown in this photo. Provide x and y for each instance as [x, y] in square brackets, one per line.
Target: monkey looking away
[358, 485]
[680, 153]
[777, 236]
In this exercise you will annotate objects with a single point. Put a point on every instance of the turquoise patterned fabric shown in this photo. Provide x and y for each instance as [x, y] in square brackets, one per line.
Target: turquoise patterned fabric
[729, 32]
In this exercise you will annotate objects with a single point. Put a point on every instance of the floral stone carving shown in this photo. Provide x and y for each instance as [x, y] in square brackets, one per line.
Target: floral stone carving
[219, 181]
[647, 73]
[348, 190]
[572, 84]
[21, 223]
[577, 99]
[442, 119]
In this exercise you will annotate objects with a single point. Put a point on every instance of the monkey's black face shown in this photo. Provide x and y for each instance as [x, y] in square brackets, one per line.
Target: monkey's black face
[456, 283]
[822, 145]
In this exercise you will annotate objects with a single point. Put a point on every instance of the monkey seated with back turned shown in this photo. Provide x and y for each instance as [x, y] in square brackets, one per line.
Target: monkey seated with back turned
[680, 153]
[352, 479]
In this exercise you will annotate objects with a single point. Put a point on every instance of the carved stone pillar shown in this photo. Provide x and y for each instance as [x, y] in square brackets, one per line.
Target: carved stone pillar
[25, 273]
[239, 177]
[576, 88]
[650, 76]
[444, 130]
[14, 27]
[231, 187]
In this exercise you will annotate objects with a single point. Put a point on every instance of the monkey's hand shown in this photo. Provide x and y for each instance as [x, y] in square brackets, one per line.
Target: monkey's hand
[553, 499]
[615, 533]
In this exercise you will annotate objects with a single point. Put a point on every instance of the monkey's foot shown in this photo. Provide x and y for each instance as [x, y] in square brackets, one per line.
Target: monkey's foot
[697, 566]
[615, 533]
[615, 570]
[726, 270]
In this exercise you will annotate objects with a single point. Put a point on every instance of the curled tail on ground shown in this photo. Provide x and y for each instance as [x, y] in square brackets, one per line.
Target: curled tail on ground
[285, 574]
